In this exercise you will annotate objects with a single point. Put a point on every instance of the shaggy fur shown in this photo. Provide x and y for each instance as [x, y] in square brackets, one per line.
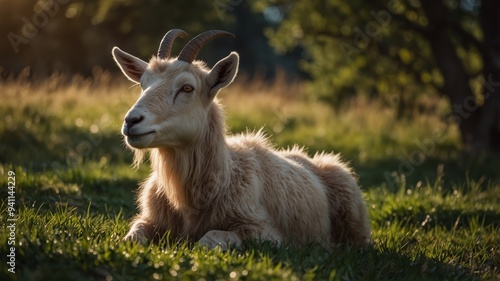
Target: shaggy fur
[209, 187]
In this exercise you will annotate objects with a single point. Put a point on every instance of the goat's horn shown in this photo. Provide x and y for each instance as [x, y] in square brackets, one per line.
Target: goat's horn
[168, 39]
[193, 47]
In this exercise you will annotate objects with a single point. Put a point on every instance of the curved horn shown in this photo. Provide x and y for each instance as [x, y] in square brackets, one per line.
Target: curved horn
[193, 47]
[168, 39]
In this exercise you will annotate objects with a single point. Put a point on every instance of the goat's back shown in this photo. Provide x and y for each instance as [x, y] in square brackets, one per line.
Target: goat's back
[293, 197]
[307, 199]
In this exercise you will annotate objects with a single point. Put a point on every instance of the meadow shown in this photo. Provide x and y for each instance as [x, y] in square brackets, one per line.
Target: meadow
[434, 211]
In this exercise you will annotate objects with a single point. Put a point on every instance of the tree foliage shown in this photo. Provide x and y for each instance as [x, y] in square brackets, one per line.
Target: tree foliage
[401, 47]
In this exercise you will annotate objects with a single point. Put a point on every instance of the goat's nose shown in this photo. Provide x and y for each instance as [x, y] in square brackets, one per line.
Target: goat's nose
[133, 120]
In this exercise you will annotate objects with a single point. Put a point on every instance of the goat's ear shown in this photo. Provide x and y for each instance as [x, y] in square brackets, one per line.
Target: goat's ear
[222, 74]
[132, 67]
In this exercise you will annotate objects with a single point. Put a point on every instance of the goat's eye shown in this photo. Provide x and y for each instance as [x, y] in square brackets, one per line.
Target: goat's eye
[187, 88]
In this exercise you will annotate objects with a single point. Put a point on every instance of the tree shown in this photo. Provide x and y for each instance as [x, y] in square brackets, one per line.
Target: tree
[451, 47]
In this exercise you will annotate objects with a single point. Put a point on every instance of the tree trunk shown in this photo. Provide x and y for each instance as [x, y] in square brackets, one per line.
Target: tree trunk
[456, 81]
[488, 132]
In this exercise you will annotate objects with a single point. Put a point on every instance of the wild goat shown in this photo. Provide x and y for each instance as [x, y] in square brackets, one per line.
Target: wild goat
[217, 189]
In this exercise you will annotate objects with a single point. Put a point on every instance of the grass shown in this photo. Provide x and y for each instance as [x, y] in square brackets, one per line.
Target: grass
[434, 212]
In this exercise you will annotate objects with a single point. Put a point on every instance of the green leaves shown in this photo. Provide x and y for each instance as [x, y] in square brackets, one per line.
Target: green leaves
[356, 47]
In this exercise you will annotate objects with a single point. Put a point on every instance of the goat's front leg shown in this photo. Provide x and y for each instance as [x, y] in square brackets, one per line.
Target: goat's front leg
[141, 231]
[221, 239]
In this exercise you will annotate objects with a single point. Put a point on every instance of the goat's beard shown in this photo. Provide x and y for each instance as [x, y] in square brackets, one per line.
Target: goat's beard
[138, 157]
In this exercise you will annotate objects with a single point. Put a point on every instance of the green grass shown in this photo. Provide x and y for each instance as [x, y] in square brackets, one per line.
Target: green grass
[436, 219]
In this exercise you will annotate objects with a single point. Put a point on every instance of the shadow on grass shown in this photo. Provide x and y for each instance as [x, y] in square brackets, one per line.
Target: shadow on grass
[393, 172]
[439, 216]
[99, 196]
[261, 259]
[348, 263]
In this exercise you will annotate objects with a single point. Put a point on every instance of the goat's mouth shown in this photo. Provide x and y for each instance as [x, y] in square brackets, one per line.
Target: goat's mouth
[129, 135]
[135, 131]
[139, 140]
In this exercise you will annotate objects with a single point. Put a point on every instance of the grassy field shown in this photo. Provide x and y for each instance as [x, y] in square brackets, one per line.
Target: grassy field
[435, 213]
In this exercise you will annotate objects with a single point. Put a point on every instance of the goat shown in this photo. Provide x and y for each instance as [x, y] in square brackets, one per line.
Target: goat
[216, 189]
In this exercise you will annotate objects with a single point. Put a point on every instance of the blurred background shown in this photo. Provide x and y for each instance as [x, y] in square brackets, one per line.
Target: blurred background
[434, 65]
[77, 36]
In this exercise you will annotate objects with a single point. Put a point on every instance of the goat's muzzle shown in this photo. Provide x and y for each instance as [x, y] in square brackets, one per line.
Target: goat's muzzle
[131, 129]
